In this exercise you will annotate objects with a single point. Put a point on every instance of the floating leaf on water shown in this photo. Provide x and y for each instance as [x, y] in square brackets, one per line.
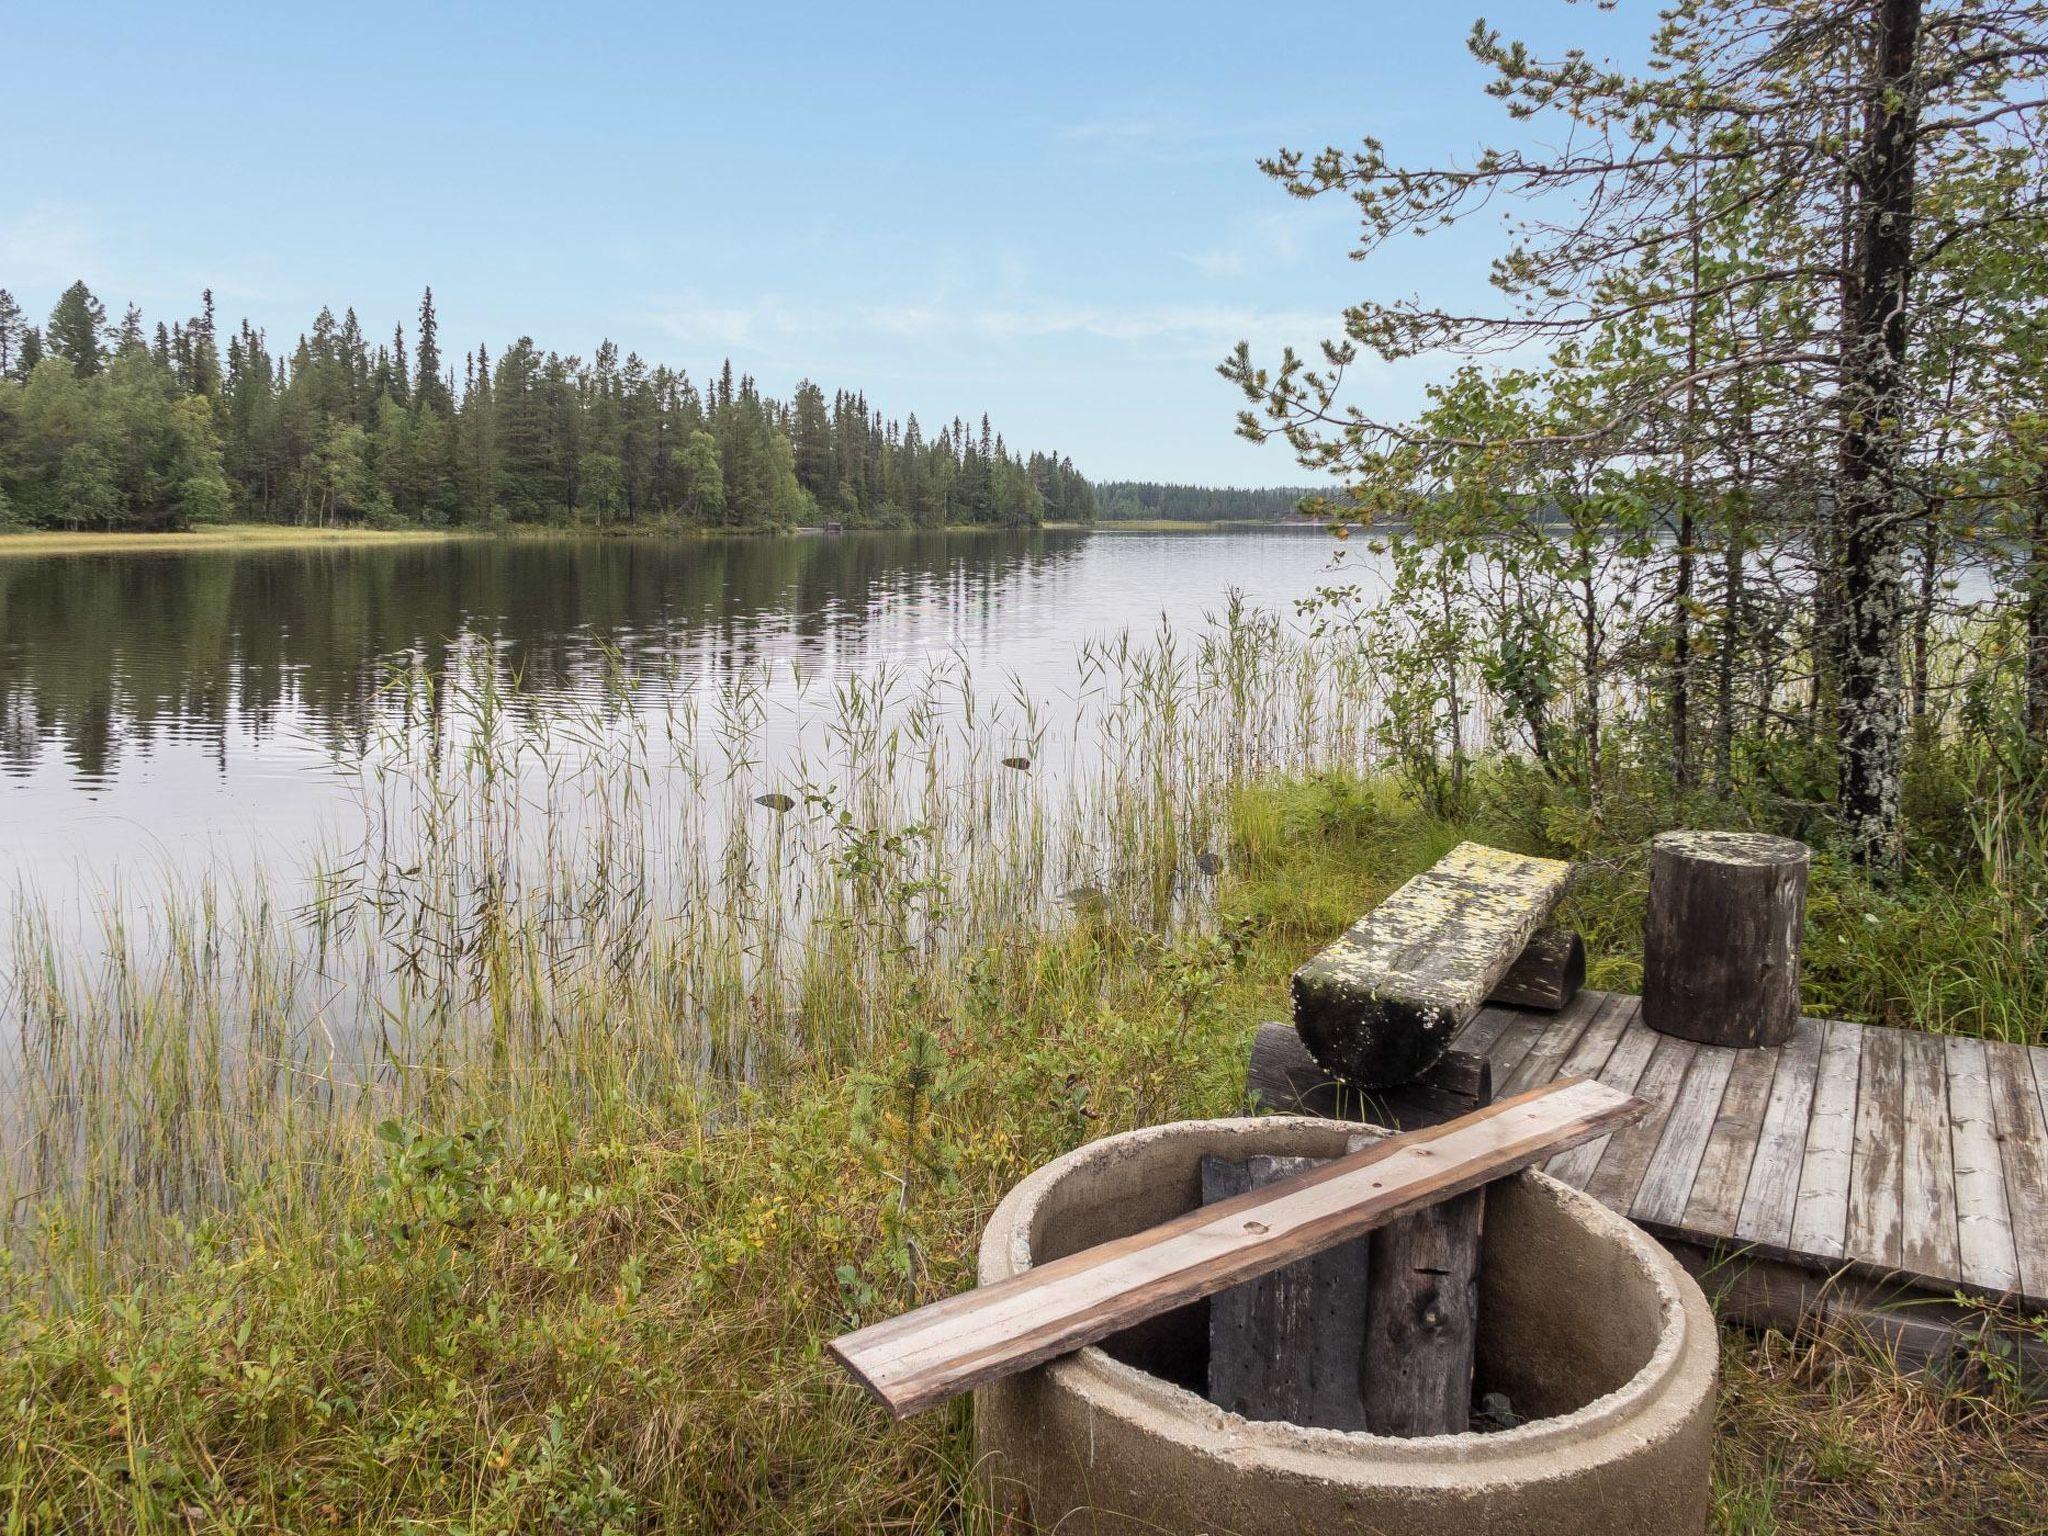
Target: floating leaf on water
[1209, 863]
[776, 801]
[1018, 763]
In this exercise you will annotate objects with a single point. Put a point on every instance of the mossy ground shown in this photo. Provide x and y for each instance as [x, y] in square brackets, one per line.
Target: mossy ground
[614, 1322]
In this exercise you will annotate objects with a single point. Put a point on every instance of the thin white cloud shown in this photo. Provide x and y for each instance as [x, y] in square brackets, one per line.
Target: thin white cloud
[47, 246]
[773, 320]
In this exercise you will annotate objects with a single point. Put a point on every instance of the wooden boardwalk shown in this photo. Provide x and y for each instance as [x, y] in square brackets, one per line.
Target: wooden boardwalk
[1893, 1156]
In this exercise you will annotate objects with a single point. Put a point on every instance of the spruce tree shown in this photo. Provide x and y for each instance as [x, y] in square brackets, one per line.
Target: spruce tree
[12, 324]
[77, 330]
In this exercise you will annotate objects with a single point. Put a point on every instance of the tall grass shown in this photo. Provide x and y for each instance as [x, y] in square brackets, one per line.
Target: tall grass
[548, 909]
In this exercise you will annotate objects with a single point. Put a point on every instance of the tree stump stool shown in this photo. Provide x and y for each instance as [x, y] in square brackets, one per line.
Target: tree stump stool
[1721, 936]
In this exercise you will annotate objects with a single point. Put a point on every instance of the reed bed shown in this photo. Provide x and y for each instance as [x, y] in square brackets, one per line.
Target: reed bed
[666, 890]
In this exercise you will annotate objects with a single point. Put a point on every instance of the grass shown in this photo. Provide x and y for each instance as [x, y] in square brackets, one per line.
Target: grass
[216, 536]
[512, 1178]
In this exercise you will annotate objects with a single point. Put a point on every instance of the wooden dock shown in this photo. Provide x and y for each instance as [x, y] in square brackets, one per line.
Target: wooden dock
[1855, 1166]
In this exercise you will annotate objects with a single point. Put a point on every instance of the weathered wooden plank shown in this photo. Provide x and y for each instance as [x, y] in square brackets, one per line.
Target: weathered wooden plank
[1627, 1157]
[1547, 974]
[1288, 1345]
[1770, 1199]
[1927, 1221]
[1715, 1203]
[1612, 1014]
[1282, 1078]
[1383, 1002]
[1485, 1028]
[1622, 1070]
[927, 1356]
[1984, 1240]
[1820, 1220]
[2023, 1138]
[1877, 1196]
[1422, 1320]
[1668, 1180]
[1515, 1044]
[1547, 1055]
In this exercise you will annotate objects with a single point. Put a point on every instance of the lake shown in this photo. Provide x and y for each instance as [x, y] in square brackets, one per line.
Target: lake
[164, 713]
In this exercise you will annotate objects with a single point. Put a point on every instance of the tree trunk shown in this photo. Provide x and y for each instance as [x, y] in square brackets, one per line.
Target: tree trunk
[1871, 720]
[2036, 588]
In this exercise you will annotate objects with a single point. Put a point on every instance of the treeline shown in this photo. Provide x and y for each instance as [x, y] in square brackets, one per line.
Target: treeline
[133, 427]
[1125, 500]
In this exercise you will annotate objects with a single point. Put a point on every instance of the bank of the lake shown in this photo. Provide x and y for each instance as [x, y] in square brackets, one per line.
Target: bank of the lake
[217, 537]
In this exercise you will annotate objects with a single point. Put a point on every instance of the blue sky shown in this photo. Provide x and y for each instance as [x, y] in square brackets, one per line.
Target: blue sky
[1050, 212]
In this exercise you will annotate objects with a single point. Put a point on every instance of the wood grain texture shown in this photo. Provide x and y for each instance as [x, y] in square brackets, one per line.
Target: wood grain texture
[1984, 1240]
[1282, 1078]
[1721, 935]
[1770, 1200]
[1927, 1220]
[1667, 1182]
[1289, 1344]
[1820, 1221]
[1546, 1056]
[1422, 1320]
[924, 1357]
[1626, 1158]
[1548, 973]
[1876, 1229]
[1622, 1070]
[2023, 1142]
[1383, 1002]
[1719, 1183]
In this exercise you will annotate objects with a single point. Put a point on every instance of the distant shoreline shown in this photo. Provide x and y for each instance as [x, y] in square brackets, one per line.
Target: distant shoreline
[261, 536]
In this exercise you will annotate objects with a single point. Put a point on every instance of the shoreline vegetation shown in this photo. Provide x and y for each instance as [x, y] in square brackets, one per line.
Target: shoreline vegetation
[279, 536]
[677, 1073]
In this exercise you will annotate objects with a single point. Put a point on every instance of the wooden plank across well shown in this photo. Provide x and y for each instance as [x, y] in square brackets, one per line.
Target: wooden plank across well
[1715, 1203]
[1877, 1196]
[1928, 1213]
[1383, 1001]
[937, 1352]
[2023, 1138]
[1820, 1221]
[1770, 1200]
[1983, 1222]
[1667, 1183]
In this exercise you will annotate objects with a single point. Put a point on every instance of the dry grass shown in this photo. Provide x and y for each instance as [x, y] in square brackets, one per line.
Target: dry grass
[215, 537]
[1824, 1434]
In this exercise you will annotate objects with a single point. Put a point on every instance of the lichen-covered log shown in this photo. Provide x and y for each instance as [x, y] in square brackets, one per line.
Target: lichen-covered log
[1381, 1004]
[1548, 974]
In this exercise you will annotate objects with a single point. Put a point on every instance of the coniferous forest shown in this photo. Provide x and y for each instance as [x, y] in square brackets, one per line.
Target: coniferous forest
[1140, 500]
[130, 426]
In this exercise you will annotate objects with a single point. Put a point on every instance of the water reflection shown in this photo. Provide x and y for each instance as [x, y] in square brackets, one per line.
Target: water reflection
[169, 710]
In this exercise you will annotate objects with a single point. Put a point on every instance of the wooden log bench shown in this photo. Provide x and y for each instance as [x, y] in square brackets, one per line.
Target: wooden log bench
[1380, 1005]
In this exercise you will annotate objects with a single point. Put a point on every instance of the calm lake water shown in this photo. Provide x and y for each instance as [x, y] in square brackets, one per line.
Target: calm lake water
[163, 713]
